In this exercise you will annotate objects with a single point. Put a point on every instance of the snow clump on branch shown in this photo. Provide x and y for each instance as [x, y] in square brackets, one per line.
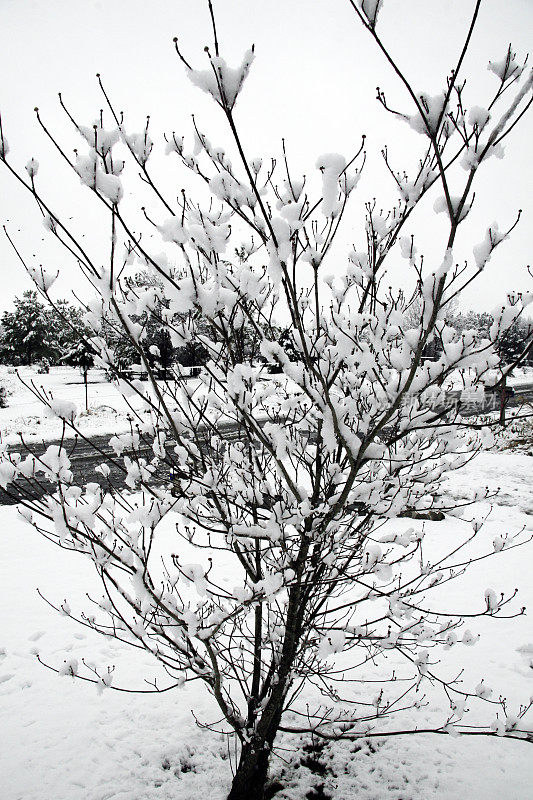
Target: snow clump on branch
[222, 82]
[370, 9]
[331, 165]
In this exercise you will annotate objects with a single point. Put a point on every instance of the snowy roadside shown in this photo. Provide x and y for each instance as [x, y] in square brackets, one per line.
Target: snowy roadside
[62, 740]
[25, 413]
[108, 412]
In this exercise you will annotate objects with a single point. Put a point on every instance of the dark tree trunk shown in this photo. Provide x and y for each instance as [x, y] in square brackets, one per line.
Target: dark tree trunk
[503, 401]
[85, 380]
[250, 780]
[252, 773]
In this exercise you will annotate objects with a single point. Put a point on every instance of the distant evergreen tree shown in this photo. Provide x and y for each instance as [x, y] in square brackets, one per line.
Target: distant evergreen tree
[26, 334]
[34, 332]
[82, 357]
[511, 343]
[472, 320]
[158, 336]
[192, 355]
[67, 328]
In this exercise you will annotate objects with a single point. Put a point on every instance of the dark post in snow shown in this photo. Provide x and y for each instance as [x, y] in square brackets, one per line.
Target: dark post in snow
[503, 400]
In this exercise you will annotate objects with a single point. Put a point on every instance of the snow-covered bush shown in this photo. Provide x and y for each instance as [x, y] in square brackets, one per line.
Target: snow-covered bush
[286, 569]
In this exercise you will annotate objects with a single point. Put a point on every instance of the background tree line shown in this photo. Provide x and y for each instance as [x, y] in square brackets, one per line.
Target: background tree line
[509, 345]
[34, 331]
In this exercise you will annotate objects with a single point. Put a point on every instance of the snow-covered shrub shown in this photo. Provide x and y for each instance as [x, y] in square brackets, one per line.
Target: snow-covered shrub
[288, 567]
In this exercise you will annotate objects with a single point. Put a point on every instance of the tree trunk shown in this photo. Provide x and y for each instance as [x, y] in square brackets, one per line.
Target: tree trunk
[250, 779]
[252, 772]
[503, 401]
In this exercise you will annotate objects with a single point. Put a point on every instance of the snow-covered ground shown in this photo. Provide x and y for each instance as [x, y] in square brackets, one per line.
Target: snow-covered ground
[26, 413]
[108, 410]
[61, 740]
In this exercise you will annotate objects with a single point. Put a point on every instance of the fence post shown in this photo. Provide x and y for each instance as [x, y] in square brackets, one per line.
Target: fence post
[503, 400]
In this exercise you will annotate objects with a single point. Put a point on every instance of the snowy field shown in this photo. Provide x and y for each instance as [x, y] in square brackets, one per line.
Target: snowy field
[61, 740]
[108, 409]
[25, 412]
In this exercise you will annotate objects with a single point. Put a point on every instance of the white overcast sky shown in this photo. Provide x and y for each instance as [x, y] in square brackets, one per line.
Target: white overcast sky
[313, 82]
